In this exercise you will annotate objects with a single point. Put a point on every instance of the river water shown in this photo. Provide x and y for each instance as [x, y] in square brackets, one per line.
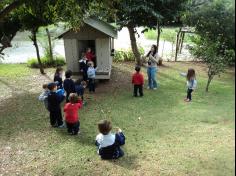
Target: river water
[23, 49]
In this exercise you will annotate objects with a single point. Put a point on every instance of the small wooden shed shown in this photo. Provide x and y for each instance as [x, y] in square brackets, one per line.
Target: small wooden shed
[97, 35]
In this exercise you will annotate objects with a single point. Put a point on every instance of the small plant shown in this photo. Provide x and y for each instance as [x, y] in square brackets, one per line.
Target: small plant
[126, 55]
[46, 62]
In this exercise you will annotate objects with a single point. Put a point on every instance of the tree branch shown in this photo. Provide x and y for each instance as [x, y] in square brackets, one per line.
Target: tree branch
[9, 8]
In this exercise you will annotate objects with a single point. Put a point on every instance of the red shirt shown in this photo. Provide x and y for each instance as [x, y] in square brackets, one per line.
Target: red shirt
[90, 56]
[71, 112]
[137, 79]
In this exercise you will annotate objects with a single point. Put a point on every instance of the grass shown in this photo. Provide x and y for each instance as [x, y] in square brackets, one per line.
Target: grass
[171, 137]
[167, 34]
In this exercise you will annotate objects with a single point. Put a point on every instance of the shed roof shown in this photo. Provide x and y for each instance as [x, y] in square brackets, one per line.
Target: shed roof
[99, 25]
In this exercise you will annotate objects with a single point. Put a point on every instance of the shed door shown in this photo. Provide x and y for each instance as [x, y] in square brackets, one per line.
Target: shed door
[103, 52]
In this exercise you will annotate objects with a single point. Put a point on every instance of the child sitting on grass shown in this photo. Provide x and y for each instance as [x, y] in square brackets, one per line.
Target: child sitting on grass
[138, 81]
[191, 83]
[71, 114]
[80, 87]
[91, 77]
[54, 101]
[44, 95]
[69, 84]
[109, 144]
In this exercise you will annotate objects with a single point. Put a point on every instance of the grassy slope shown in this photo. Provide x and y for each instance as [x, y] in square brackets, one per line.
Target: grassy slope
[171, 138]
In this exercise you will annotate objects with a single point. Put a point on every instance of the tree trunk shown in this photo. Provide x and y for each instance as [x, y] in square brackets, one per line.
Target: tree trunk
[34, 39]
[181, 44]
[208, 83]
[177, 44]
[134, 44]
[158, 35]
[9, 8]
[49, 44]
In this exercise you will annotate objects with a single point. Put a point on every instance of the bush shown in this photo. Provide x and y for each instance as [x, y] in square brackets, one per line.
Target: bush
[126, 55]
[59, 61]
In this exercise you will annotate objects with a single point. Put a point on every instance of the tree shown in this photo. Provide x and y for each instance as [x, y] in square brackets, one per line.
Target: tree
[9, 6]
[133, 14]
[215, 25]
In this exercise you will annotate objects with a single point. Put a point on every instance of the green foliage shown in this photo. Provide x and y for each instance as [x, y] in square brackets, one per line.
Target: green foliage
[46, 62]
[126, 55]
[215, 25]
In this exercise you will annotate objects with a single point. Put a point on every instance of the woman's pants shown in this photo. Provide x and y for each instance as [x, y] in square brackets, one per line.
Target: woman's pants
[152, 83]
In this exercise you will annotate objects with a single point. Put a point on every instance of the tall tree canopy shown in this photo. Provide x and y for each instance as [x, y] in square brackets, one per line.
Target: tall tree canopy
[214, 23]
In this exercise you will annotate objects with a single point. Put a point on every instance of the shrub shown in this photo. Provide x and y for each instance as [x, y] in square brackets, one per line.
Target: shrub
[126, 55]
[46, 62]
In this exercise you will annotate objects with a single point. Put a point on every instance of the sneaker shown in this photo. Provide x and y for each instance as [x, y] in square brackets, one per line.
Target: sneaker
[148, 87]
[155, 88]
[62, 126]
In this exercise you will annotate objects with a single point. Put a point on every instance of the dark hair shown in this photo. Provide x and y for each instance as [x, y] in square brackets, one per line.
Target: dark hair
[90, 63]
[51, 86]
[58, 70]
[104, 127]
[137, 68]
[155, 51]
[73, 97]
[45, 86]
[68, 74]
[191, 74]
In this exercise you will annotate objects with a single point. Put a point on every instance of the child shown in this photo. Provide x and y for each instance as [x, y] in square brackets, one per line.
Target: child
[138, 81]
[71, 114]
[109, 144]
[191, 83]
[83, 64]
[69, 84]
[80, 87]
[58, 77]
[44, 95]
[91, 77]
[54, 101]
[89, 55]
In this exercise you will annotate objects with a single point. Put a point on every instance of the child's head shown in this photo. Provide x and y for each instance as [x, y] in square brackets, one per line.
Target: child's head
[68, 74]
[59, 70]
[73, 97]
[191, 74]
[104, 127]
[137, 68]
[89, 50]
[83, 83]
[45, 86]
[90, 64]
[52, 86]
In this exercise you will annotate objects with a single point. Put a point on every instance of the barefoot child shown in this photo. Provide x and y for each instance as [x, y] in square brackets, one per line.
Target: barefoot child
[138, 81]
[71, 114]
[191, 83]
[54, 101]
[108, 143]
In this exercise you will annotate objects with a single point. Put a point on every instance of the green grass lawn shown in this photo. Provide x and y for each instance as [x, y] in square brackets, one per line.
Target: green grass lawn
[167, 34]
[165, 136]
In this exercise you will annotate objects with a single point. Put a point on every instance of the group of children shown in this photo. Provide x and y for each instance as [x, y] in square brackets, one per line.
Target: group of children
[56, 92]
[108, 143]
[138, 82]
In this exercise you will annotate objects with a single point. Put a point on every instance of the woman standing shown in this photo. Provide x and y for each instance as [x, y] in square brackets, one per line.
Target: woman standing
[153, 58]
